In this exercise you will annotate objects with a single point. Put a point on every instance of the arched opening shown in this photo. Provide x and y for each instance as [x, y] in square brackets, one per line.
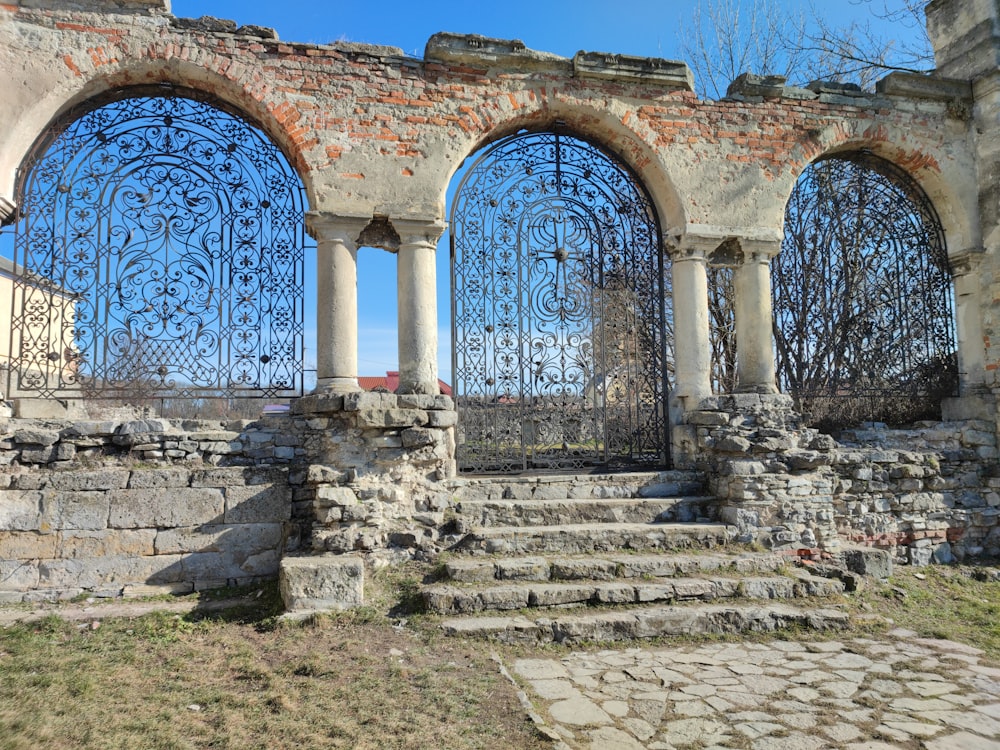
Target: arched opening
[560, 311]
[863, 305]
[158, 259]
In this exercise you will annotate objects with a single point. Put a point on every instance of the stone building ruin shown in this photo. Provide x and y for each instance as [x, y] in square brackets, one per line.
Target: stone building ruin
[123, 504]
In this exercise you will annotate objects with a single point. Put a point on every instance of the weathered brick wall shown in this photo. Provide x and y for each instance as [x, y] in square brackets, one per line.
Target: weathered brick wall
[374, 131]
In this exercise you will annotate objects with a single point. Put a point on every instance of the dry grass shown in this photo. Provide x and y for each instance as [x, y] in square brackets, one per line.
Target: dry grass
[237, 678]
[240, 680]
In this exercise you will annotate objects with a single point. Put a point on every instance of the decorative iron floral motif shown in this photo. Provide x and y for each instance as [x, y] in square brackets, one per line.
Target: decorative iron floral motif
[558, 310]
[161, 250]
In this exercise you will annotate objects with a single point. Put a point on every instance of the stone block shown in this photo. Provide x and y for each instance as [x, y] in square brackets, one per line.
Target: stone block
[165, 508]
[331, 496]
[75, 510]
[92, 572]
[46, 408]
[229, 564]
[707, 418]
[17, 575]
[85, 481]
[21, 510]
[38, 455]
[867, 561]
[158, 478]
[36, 436]
[418, 437]
[391, 417]
[327, 582]
[27, 545]
[108, 543]
[234, 476]
[258, 504]
[442, 418]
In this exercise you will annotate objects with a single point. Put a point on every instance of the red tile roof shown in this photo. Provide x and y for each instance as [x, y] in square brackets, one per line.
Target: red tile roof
[390, 383]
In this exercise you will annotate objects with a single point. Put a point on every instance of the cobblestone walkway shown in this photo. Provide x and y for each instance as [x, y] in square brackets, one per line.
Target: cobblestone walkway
[897, 691]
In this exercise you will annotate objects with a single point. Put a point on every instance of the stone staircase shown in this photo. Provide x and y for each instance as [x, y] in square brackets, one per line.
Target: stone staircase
[613, 557]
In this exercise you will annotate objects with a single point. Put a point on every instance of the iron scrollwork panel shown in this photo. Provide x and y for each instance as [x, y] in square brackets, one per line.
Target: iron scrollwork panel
[559, 311]
[864, 327]
[161, 249]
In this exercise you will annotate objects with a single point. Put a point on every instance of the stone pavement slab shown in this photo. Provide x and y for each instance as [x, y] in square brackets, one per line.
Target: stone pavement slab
[898, 692]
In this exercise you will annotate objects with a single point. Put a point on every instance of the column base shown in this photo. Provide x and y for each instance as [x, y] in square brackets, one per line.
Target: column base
[337, 385]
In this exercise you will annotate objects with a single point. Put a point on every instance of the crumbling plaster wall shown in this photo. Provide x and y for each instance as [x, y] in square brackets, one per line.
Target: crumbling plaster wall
[373, 131]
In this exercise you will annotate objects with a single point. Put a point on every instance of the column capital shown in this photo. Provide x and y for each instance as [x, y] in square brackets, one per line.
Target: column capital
[8, 211]
[419, 231]
[760, 250]
[964, 262]
[322, 225]
[723, 245]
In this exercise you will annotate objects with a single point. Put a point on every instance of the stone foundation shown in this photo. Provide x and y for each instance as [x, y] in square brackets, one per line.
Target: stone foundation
[926, 494]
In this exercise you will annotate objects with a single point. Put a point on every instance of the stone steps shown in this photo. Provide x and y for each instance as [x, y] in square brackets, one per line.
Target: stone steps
[607, 567]
[646, 622]
[453, 599]
[611, 558]
[580, 538]
[489, 513]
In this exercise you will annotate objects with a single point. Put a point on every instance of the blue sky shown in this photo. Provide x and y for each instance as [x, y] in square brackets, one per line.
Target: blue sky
[637, 27]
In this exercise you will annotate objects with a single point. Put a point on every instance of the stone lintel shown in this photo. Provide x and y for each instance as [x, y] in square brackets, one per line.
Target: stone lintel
[477, 50]
[927, 87]
[671, 74]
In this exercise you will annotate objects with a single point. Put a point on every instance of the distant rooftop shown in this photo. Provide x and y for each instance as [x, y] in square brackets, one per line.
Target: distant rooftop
[390, 383]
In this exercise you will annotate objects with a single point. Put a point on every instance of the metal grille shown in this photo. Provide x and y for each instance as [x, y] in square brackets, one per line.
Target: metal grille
[864, 328]
[160, 251]
[558, 311]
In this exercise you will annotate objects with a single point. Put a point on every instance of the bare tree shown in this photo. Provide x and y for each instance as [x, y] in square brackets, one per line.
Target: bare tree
[725, 38]
[865, 50]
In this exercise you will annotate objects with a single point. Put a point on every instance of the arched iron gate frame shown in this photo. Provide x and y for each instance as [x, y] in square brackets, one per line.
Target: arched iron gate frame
[863, 312]
[559, 311]
[160, 251]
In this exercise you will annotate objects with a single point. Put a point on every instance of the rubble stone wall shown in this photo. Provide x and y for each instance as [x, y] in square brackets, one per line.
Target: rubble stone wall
[140, 506]
[930, 492]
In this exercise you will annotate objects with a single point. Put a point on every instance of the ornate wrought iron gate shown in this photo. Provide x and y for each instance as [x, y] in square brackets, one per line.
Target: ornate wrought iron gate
[559, 320]
[160, 253]
[864, 328]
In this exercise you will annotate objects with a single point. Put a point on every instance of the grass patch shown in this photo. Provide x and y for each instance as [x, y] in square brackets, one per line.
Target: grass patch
[959, 603]
[220, 680]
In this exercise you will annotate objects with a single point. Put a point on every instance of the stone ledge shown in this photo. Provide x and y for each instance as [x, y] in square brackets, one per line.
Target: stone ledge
[670, 74]
[473, 49]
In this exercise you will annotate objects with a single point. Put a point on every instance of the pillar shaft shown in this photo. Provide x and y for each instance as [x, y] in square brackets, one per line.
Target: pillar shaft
[417, 305]
[337, 300]
[754, 339]
[693, 354]
[968, 322]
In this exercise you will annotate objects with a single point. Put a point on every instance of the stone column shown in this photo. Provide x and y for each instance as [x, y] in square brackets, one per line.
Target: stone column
[754, 340]
[416, 280]
[337, 300]
[692, 352]
[968, 320]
